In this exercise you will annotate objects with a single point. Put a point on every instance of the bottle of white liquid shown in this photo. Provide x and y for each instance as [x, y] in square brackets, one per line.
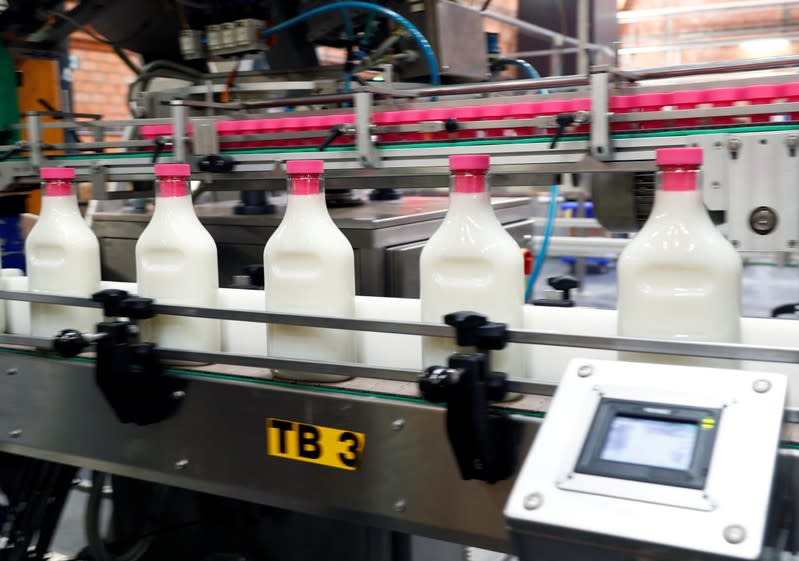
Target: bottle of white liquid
[679, 278]
[176, 263]
[62, 257]
[309, 268]
[472, 263]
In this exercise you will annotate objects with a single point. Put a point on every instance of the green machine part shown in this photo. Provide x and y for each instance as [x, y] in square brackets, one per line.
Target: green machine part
[9, 103]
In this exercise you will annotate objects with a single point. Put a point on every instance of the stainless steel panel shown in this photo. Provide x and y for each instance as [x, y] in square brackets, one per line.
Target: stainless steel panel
[216, 443]
[240, 239]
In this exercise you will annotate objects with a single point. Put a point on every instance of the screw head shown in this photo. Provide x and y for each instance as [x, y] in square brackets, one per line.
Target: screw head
[734, 534]
[400, 505]
[585, 371]
[16, 433]
[12, 371]
[181, 464]
[533, 501]
[761, 386]
[398, 424]
[179, 394]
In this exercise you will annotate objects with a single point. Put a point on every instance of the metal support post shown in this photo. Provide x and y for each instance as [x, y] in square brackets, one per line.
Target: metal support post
[34, 125]
[367, 151]
[179, 115]
[601, 147]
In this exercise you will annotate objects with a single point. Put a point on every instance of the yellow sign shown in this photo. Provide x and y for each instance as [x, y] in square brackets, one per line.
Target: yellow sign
[708, 423]
[325, 446]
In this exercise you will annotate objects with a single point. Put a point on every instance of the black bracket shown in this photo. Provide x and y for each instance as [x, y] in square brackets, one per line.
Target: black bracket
[563, 284]
[483, 439]
[128, 372]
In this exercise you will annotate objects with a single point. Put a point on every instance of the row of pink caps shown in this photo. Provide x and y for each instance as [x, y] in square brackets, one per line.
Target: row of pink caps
[686, 99]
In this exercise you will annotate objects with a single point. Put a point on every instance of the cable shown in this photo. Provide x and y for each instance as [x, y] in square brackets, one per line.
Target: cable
[525, 66]
[87, 29]
[424, 45]
[552, 211]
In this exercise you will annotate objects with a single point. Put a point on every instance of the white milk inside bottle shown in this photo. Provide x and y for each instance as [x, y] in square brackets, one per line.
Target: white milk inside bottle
[309, 269]
[679, 278]
[472, 263]
[62, 257]
[176, 264]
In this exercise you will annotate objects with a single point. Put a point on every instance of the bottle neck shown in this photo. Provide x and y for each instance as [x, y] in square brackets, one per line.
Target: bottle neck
[305, 185]
[58, 188]
[468, 182]
[169, 187]
[678, 178]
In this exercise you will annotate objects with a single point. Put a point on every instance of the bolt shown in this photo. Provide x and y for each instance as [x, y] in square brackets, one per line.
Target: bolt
[792, 243]
[585, 371]
[735, 243]
[16, 433]
[400, 506]
[179, 394]
[12, 371]
[477, 464]
[761, 386]
[181, 464]
[398, 424]
[734, 534]
[533, 501]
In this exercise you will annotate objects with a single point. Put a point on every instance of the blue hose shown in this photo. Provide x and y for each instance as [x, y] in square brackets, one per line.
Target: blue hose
[525, 67]
[424, 45]
[552, 211]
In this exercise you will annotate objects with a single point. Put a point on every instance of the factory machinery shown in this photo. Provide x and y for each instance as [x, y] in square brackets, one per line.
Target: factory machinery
[212, 458]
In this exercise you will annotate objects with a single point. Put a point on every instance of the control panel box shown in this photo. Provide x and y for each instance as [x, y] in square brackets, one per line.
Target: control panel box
[637, 460]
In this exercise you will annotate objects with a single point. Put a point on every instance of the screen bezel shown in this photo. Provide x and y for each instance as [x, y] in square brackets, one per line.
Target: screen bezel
[695, 477]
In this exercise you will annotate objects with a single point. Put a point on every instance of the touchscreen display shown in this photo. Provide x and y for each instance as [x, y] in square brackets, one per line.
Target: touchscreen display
[650, 442]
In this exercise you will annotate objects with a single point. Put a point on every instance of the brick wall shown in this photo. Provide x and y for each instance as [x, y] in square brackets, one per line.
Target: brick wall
[100, 79]
[703, 36]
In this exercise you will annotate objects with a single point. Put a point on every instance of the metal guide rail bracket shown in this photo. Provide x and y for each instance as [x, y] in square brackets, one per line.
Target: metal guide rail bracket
[128, 372]
[484, 440]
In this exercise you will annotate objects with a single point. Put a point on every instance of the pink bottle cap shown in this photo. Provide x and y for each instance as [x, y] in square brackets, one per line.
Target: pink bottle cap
[172, 170]
[678, 168]
[790, 90]
[305, 167]
[57, 181]
[722, 95]
[678, 156]
[687, 97]
[67, 174]
[469, 162]
[761, 93]
[304, 176]
[172, 179]
[469, 182]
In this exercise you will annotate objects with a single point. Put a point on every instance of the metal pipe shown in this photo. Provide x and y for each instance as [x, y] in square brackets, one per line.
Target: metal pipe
[733, 351]
[504, 85]
[639, 15]
[718, 67]
[583, 23]
[532, 29]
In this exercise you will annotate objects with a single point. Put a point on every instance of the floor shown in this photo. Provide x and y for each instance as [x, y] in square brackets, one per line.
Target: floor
[765, 286]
